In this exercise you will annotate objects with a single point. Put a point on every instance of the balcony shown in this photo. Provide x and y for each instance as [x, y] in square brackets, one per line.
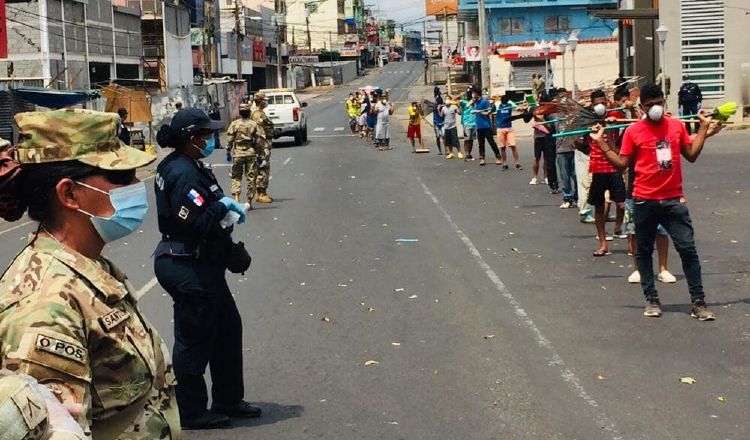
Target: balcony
[508, 4]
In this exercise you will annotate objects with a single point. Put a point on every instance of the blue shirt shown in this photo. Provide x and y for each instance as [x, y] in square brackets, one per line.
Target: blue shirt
[504, 112]
[436, 118]
[483, 121]
[468, 118]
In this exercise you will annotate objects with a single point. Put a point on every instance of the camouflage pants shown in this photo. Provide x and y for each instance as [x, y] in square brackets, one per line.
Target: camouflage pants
[247, 166]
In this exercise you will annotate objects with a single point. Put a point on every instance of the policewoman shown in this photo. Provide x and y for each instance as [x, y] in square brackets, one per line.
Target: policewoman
[68, 315]
[195, 220]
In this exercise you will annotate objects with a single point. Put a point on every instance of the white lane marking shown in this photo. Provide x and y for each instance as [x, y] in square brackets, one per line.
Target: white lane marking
[338, 129]
[144, 290]
[319, 129]
[566, 373]
[18, 226]
[288, 159]
[332, 136]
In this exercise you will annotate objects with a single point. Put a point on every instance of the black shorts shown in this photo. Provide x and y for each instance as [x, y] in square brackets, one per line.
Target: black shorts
[539, 144]
[601, 182]
[451, 137]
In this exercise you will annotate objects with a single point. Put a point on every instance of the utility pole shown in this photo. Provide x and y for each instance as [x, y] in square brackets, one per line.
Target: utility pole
[278, 55]
[485, 60]
[309, 39]
[330, 56]
[425, 54]
[239, 36]
[447, 42]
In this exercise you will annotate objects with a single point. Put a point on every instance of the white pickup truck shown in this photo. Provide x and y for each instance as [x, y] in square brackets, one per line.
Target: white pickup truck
[287, 114]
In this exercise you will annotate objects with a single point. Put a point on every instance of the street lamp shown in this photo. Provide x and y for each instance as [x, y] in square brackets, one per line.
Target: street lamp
[546, 48]
[573, 43]
[661, 33]
[563, 46]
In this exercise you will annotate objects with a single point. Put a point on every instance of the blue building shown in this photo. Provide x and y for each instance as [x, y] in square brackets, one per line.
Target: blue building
[518, 21]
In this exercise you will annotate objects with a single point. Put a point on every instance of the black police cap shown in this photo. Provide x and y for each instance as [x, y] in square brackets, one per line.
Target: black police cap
[191, 120]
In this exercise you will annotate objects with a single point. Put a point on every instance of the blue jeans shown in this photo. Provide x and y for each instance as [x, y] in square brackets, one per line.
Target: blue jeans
[566, 175]
[675, 217]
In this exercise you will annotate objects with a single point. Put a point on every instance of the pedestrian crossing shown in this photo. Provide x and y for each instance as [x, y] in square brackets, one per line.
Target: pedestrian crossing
[319, 129]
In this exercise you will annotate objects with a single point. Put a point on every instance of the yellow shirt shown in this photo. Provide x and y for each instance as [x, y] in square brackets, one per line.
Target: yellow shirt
[414, 117]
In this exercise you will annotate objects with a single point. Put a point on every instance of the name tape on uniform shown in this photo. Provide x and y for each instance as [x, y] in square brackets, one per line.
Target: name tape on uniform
[113, 319]
[65, 349]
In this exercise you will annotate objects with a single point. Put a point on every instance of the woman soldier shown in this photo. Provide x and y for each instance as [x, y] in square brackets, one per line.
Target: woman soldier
[195, 219]
[68, 316]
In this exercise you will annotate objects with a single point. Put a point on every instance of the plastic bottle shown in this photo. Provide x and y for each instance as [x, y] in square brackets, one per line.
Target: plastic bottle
[230, 219]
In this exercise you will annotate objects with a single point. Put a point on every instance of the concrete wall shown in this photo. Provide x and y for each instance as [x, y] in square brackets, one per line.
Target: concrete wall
[178, 51]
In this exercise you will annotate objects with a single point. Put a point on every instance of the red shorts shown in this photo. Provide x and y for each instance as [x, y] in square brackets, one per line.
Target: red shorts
[414, 132]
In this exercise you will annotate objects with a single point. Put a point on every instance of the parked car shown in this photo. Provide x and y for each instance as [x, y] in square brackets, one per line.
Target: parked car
[287, 114]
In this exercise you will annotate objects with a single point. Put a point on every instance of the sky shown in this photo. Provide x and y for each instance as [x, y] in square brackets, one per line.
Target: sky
[402, 11]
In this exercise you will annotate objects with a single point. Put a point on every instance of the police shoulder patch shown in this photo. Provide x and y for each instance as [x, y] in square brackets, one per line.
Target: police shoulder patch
[184, 212]
[114, 318]
[67, 349]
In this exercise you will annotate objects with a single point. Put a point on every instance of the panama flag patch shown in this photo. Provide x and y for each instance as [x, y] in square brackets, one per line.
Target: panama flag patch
[196, 197]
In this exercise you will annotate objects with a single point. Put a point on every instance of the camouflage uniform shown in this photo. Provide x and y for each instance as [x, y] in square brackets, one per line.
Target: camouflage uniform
[72, 322]
[264, 172]
[243, 140]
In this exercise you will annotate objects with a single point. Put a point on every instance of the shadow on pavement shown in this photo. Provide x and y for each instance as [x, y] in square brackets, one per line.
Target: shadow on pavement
[272, 413]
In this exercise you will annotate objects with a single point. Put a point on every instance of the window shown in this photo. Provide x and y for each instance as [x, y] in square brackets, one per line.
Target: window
[556, 23]
[512, 26]
[702, 44]
[341, 6]
[280, 6]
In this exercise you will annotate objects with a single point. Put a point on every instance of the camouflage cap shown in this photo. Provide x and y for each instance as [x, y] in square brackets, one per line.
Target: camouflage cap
[246, 106]
[87, 136]
[259, 97]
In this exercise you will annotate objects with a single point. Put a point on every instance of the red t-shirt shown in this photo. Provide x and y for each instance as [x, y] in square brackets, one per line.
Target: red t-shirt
[597, 162]
[656, 150]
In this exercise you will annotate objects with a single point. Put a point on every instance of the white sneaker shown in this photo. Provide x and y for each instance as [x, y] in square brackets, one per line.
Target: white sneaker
[460, 155]
[546, 181]
[566, 205]
[534, 181]
[666, 277]
[635, 277]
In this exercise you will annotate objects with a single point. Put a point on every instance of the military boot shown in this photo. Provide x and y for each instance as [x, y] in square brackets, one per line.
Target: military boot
[236, 197]
[263, 197]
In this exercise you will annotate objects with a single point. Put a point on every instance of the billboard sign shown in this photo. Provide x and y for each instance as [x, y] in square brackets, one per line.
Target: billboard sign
[471, 53]
[441, 7]
[304, 60]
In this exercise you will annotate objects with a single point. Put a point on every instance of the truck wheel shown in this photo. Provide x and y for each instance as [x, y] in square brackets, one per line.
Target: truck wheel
[298, 138]
[304, 135]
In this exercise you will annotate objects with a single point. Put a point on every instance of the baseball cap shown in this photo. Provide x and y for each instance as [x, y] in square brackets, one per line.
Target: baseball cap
[245, 106]
[87, 136]
[190, 120]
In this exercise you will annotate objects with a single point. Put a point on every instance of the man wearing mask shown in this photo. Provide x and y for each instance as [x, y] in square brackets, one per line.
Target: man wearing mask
[655, 144]
[384, 111]
[263, 147]
[242, 142]
[449, 112]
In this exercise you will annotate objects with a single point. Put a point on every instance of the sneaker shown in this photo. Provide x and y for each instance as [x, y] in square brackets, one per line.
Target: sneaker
[534, 181]
[505, 167]
[620, 235]
[611, 218]
[519, 167]
[566, 205]
[666, 277]
[449, 156]
[554, 191]
[546, 181]
[469, 157]
[635, 277]
[653, 308]
[481, 162]
[588, 219]
[606, 237]
[460, 155]
[499, 161]
[700, 311]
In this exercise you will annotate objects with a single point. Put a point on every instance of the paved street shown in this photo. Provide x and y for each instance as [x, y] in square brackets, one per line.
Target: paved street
[476, 297]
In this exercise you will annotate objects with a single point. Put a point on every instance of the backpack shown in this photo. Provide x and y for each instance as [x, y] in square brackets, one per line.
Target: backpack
[690, 92]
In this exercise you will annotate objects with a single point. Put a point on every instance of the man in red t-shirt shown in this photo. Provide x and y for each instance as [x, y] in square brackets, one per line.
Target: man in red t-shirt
[604, 177]
[655, 145]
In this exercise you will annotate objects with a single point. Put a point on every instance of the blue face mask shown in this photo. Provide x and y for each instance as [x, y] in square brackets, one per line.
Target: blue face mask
[131, 205]
[209, 148]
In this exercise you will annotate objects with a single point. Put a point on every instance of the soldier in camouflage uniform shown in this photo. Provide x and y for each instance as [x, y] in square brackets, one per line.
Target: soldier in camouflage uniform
[244, 140]
[264, 169]
[68, 316]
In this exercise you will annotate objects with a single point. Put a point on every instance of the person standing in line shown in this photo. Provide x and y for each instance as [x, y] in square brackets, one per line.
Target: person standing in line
[190, 262]
[437, 120]
[215, 114]
[263, 147]
[506, 137]
[352, 111]
[449, 112]
[541, 134]
[654, 145]
[484, 110]
[242, 142]
[384, 110]
[124, 133]
[468, 122]
[604, 177]
[414, 131]
[69, 317]
[689, 101]
[583, 178]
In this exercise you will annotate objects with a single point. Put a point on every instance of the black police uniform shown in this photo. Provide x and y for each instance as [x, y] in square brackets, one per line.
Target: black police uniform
[190, 266]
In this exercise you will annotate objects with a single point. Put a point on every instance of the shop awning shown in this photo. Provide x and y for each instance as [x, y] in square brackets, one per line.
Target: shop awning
[54, 99]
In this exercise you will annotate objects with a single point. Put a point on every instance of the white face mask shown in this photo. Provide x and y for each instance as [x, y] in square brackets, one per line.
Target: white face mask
[600, 109]
[656, 112]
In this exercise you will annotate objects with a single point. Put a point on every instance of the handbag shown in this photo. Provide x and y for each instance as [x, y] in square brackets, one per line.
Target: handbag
[238, 259]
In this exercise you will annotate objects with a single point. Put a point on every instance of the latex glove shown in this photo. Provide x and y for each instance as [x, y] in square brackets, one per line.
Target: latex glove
[235, 206]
